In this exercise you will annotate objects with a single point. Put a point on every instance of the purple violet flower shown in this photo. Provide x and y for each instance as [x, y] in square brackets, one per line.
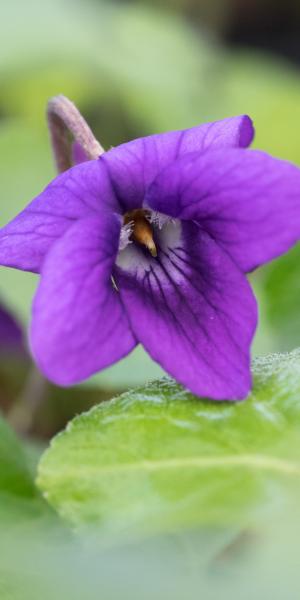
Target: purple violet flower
[150, 243]
[11, 335]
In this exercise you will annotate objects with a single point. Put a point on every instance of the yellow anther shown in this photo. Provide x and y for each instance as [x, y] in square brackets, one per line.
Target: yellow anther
[141, 229]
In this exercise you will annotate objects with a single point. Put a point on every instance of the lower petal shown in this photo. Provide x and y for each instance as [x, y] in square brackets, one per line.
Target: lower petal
[79, 325]
[195, 313]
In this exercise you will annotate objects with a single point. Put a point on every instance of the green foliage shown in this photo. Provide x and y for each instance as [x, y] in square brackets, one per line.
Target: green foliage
[15, 477]
[161, 460]
[176, 497]
[269, 91]
[21, 505]
[282, 299]
[26, 169]
[150, 60]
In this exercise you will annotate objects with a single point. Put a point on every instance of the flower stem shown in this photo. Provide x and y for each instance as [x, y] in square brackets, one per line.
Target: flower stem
[67, 125]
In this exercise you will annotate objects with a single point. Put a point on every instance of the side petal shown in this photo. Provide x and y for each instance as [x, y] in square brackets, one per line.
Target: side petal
[79, 325]
[247, 200]
[195, 314]
[79, 192]
[133, 166]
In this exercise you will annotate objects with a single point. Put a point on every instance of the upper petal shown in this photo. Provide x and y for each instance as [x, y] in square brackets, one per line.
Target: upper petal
[195, 313]
[79, 192]
[79, 325]
[133, 166]
[247, 200]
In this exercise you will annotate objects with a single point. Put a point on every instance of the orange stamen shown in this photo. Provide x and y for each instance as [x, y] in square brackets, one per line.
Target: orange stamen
[141, 229]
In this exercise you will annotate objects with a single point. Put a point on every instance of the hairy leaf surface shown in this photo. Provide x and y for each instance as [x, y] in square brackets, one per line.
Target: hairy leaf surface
[159, 459]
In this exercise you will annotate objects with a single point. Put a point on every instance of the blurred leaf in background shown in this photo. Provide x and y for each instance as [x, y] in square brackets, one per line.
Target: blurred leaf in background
[149, 60]
[15, 477]
[282, 292]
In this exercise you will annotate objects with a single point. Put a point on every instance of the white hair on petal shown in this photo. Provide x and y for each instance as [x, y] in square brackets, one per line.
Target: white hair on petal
[125, 234]
[158, 219]
[168, 230]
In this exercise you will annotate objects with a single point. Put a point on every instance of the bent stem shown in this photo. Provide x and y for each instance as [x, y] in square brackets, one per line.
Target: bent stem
[67, 125]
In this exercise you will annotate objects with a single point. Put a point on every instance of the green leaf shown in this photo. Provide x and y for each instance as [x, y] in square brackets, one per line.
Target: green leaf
[24, 174]
[20, 500]
[21, 504]
[160, 460]
[24, 516]
[281, 288]
[15, 476]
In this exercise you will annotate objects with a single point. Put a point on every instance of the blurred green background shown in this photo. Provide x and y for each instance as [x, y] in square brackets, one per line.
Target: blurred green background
[135, 68]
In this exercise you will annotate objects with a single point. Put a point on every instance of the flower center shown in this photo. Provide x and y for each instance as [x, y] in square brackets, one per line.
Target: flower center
[140, 229]
[146, 234]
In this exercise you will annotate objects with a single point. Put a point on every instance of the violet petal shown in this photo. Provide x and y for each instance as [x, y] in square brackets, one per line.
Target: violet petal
[133, 166]
[79, 192]
[79, 325]
[247, 200]
[195, 313]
